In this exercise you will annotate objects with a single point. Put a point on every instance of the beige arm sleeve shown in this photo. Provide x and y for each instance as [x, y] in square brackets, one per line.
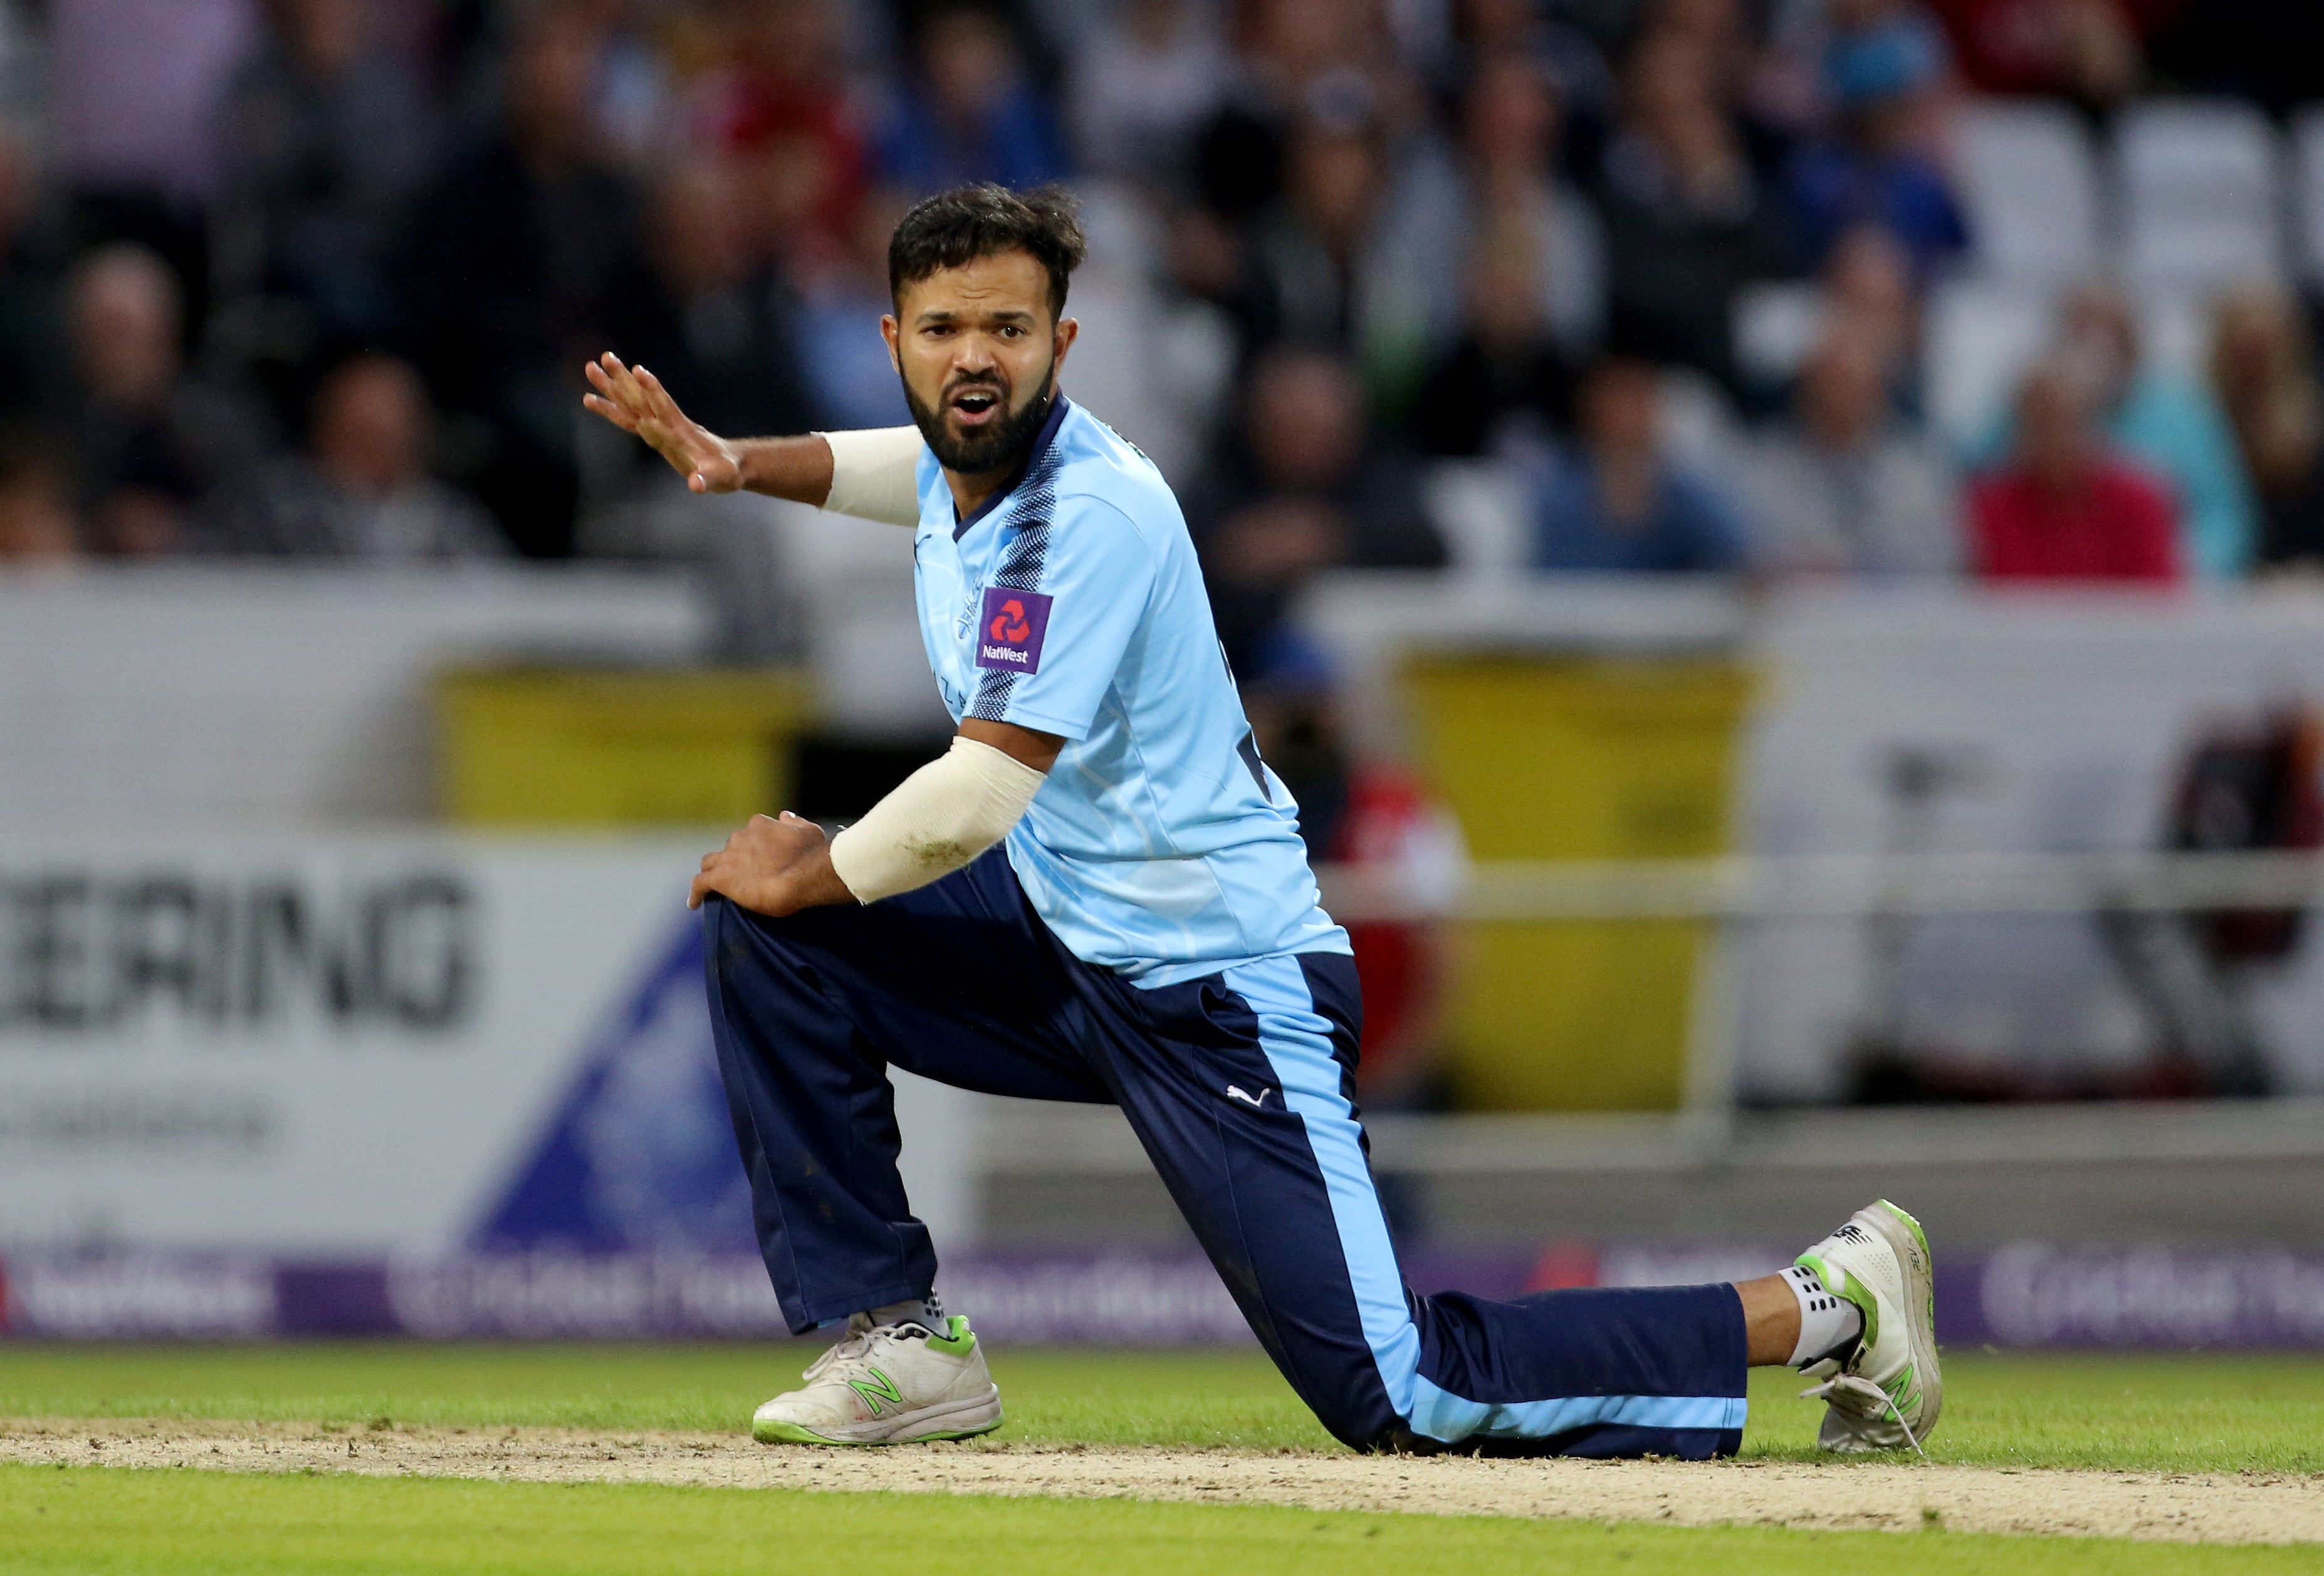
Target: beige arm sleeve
[935, 821]
[875, 473]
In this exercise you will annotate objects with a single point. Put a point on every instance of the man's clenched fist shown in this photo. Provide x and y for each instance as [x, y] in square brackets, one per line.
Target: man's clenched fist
[772, 866]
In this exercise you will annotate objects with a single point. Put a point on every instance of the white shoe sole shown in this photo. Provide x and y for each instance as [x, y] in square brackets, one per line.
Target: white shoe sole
[947, 1420]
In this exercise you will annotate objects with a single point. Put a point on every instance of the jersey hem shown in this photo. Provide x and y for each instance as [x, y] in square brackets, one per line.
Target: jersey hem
[1167, 975]
[1047, 724]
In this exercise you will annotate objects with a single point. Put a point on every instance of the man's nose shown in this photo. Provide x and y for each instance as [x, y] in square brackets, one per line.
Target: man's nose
[972, 352]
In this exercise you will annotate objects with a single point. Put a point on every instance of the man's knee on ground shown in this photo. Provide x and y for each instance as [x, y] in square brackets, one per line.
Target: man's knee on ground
[1362, 1424]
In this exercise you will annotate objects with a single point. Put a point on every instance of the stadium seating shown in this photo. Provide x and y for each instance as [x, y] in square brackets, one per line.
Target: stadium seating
[2201, 193]
[2031, 182]
[1778, 323]
[1479, 507]
[2197, 195]
[1980, 337]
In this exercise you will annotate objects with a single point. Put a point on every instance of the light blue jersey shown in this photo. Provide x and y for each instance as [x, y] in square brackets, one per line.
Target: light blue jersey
[1161, 846]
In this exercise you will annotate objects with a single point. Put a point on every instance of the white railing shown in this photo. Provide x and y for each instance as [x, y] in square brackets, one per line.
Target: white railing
[1727, 893]
[1836, 886]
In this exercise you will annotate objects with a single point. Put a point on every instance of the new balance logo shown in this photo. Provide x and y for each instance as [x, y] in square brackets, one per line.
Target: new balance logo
[873, 1393]
[1256, 1102]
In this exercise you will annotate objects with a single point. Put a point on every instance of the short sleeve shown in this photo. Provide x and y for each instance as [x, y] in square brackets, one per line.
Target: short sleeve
[1053, 625]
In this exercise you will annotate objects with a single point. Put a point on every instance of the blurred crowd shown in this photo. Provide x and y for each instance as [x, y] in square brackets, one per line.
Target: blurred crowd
[315, 278]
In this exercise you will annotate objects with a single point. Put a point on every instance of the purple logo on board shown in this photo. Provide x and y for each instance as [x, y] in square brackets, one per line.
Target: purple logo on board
[1009, 634]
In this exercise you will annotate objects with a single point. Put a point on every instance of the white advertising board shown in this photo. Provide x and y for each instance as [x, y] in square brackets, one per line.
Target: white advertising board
[360, 1046]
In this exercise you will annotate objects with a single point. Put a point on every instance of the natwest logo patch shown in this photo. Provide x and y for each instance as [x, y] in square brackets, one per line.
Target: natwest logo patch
[1008, 632]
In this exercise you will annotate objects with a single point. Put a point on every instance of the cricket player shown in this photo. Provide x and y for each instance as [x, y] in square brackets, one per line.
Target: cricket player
[1099, 893]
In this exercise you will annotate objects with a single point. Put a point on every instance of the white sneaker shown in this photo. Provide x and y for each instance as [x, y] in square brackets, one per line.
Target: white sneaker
[1886, 1393]
[887, 1384]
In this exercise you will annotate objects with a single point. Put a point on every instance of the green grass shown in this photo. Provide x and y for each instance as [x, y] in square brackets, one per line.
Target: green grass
[2214, 1414]
[106, 1522]
[1231, 1398]
[2163, 1413]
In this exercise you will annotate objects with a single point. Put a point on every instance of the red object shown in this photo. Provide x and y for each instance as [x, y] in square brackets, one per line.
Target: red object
[2022, 46]
[1396, 962]
[1562, 1266]
[2119, 525]
[814, 130]
[2248, 788]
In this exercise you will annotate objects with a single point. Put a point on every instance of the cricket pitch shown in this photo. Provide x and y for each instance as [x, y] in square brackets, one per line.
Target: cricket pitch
[2186, 1507]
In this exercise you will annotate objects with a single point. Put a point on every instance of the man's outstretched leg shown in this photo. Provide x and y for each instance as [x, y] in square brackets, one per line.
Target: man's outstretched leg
[1239, 1087]
[809, 1012]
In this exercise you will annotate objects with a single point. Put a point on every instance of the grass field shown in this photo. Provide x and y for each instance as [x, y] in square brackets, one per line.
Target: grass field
[2177, 1415]
[110, 1523]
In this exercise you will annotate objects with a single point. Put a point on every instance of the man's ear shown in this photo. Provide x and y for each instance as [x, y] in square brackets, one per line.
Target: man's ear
[1069, 330]
[889, 331]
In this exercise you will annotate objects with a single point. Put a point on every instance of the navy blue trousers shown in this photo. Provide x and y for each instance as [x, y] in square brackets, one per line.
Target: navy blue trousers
[1240, 1086]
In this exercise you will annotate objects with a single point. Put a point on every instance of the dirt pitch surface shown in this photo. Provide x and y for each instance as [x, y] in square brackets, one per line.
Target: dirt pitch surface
[2250, 1508]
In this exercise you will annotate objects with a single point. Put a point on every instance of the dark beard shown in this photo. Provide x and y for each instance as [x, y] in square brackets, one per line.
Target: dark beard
[997, 449]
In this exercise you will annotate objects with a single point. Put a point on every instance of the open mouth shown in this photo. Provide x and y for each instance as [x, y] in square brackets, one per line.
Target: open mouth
[975, 407]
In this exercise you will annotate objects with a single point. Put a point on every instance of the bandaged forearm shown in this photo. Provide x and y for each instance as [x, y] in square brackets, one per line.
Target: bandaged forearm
[935, 821]
[875, 473]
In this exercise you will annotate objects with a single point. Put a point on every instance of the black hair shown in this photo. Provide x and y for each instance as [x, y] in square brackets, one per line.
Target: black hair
[954, 228]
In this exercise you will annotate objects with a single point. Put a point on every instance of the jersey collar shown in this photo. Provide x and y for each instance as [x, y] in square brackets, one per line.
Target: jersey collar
[1058, 406]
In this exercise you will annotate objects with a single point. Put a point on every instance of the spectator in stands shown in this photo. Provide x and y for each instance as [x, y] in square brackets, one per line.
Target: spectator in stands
[1509, 135]
[1728, 37]
[1488, 31]
[1291, 57]
[2066, 506]
[1844, 489]
[782, 109]
[32, 309]
[2086, 49]
[132, 89]
[844, 361]
[2170, 423]
[1360, 257]
[630, 104]
[1686, 219]
[1881, 75]
[720, 324]
[1304, 488]
[524, 251]
[2263, 371]
[1870, 295]
[1786, 87]
[1615, 503]
[1506, 385]
[972, 112]
[1145, 82]
[150, 445]
[324, 135]
[36, 521]
[363, 491]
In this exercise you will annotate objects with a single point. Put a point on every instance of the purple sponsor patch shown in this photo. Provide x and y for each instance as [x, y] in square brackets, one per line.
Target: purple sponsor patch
[1009, 631]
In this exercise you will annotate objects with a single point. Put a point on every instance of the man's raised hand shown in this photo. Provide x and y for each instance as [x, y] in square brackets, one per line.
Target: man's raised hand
[633, 399]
